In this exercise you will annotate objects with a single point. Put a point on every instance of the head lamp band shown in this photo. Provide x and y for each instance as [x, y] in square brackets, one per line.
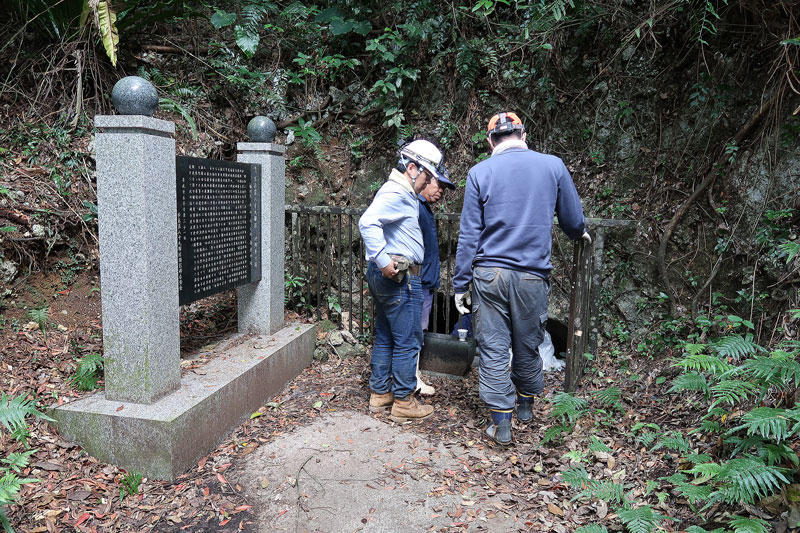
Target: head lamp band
[505, 122]
[418, 158]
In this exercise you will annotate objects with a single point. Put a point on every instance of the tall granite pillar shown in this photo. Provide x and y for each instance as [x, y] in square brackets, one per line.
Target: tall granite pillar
[137, 217]
[261, 303]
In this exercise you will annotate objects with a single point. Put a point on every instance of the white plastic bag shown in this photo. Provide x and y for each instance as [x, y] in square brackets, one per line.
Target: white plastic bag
[548, 354]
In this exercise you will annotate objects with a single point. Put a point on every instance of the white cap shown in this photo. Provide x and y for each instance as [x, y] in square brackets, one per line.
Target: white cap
[425, 154]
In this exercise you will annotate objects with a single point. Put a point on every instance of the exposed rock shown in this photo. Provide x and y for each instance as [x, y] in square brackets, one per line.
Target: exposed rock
[335, 338]
[348, 337]
[350, 350]
[8, 271]
[321, 354]
[327, 325]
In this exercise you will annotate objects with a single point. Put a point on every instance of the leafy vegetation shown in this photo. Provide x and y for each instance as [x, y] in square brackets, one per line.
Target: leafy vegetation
[88, 372]
[744, 396]
[678, 114]
[13, 414]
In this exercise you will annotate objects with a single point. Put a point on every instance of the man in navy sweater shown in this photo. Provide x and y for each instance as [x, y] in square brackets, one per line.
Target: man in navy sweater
[504, 251]
[429, 275]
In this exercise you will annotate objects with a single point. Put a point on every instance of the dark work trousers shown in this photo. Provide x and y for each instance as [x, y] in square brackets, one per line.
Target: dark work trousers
[509, 311]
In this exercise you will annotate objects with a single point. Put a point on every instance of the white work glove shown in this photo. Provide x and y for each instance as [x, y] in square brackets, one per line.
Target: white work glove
[463, 301]
[586, 237]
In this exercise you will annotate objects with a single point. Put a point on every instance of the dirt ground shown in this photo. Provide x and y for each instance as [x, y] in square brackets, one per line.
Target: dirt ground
[292, 465]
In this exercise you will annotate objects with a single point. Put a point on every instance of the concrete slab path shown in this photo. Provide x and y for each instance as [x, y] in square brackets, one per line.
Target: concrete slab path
[349, 471]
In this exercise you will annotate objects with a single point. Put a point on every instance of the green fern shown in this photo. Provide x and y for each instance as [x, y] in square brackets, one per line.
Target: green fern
[16, 461]
[698, 458]
[791, 249]
[641, 520]
[676, 479]
[740, 445]
[489, 60]
[247, 33]
[704, 363]
[747, 480]
[592, 528]
[12, 415]
[779, 370]
[778, 453]
[732, 391]
[694, 493]
[172, 105]
[694, 349]
[252, 15]
[705, 470]
[605, 490]
[556, 433]
[467, 65]
[568, 407]
[735, 346]
[693, 381]
[767, 422]
[707, 426]
[645, 425]
[698, 529]
[13, 412]
[596, 445]
[40, 316]
[673, 441]
[154, 75]
[576, 477]
[794, 414]
[89, 371]
[609, 397]
[575, 455]
[647, 439]
[10, 484]
[749, 525]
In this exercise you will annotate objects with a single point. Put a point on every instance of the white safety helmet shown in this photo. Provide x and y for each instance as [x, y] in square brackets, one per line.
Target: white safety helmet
[422, 153]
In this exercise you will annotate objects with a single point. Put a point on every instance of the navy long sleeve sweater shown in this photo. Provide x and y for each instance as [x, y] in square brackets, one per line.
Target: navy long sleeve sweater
[507, 218]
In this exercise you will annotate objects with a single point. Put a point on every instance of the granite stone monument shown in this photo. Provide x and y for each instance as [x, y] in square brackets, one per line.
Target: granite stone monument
[150, 418]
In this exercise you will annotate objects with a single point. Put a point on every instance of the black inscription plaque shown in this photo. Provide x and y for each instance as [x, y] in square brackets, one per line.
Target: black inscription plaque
[219, 226]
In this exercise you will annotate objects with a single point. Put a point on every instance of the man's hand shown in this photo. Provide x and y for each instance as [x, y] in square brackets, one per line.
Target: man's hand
[463, 301]
[586, 237]
[390, 270]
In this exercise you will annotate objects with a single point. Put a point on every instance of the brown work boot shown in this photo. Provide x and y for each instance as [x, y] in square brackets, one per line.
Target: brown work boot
[379, 403]
[409, 408]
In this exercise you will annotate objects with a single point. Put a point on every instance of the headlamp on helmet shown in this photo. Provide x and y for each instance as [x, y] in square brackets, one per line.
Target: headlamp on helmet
[503, 123]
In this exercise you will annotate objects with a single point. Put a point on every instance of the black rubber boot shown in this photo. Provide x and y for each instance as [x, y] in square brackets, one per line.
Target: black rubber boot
[500, 428]
[524, 408]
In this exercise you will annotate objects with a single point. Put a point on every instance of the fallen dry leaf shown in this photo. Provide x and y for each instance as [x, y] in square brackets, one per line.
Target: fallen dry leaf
[555, 509]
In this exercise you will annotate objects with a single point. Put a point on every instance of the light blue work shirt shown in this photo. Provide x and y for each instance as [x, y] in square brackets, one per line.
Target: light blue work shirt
[390, 225]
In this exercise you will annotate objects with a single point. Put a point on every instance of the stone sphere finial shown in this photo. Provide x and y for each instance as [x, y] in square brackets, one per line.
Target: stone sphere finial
[133, 95]
[261, 130]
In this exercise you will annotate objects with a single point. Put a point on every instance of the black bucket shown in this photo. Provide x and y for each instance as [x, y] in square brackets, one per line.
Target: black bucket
[444, 354]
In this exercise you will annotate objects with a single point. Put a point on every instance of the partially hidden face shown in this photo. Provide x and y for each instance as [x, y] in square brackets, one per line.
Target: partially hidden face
[433, 191]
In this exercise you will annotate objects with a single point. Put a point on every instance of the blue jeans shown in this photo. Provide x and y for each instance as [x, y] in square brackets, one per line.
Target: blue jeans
[398, 332]
[509, 311]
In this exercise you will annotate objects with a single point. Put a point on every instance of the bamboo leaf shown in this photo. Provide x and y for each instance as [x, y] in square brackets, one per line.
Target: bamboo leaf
[107, 20]
[86, 10]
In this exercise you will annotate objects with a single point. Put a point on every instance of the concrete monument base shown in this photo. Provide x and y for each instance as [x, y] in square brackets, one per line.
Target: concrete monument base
[164, 439]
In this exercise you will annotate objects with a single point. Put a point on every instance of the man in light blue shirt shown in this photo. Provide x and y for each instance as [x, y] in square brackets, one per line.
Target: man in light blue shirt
[394, 248]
